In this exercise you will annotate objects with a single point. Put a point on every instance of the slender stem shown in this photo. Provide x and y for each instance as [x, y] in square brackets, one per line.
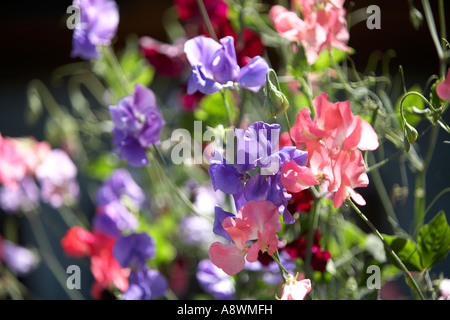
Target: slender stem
[109, 54]
[208, 23]
[420, 184]
[284, 272]
[47, 254]
[440, 194]
[388, 248]
[434, 35]
[286, 119]
[313, 221]
[227, 108]
[384, 161]
[162, 170]
[443, 30]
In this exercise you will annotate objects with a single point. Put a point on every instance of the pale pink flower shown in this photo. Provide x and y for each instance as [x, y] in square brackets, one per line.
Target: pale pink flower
[444, 288]
[256, 220]
[296, 178]
[13, 167]
[295, 290]
[323, 25]
[443, 88]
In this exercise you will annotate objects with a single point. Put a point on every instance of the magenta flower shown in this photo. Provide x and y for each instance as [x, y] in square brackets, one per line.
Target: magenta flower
[256, 220]
[98, 25]
[214, 66]
[443, 87]
[137, 124]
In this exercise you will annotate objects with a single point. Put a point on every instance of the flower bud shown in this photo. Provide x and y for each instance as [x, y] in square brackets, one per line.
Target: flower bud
[275, 102]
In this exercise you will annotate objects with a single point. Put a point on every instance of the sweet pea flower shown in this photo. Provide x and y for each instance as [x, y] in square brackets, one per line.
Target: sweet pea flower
[98, 25]
[333, 140]
[443, 88]
[20, 260]
[214, 66]
[214, 281]
[323, 26]
[145, 284]
[12, 165]
[24, 197]
[256, 220]
[78, 242]
[444, 289]
[295, 290]
[133, 251]
[137, 124]
[57, 178]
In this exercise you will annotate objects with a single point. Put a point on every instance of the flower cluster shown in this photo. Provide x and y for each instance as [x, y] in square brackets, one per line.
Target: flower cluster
[323, 25]
[117, 253]
[31, 171]
[334, 140]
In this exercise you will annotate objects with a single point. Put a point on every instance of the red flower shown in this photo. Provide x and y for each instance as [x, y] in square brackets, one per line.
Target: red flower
[78, 242]
[297, 249]
[301, 202]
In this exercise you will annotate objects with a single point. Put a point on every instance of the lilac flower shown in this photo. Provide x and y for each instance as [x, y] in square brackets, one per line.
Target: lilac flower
[19, 260]
[137, 123]
[145, 284]
[214, 281]
[98, 25]
[133, 251]
[57, 178]
[24, 197]
[214, 66]
[224, 177]
[113, 219]
[118, 184]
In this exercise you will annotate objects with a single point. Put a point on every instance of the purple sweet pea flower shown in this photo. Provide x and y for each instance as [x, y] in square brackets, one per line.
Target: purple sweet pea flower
[255, 143]
[19, 260]
[214, 281]
[145, 284]
[57, 178]
[98, 25]
[214, 66]
[137, 124]
[220, 216]
[133, 251]
[224, 177]
[114, 218]
[25, 197]
[118, 184]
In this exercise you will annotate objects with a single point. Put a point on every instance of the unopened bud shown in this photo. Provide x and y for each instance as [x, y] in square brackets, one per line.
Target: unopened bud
[275, 102]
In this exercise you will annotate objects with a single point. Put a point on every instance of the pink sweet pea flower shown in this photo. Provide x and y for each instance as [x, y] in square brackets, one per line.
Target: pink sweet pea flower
[349, 173]
[12, 165]
[256, 220]
[296, 178]
[295, 290]
[286, 22]
[443, 88]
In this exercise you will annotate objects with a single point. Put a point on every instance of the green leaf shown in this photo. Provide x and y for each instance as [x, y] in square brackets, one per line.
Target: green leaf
[212, 109]
[434, 240]
[103, 166]
[411, 102]
[323, 61]
[406, 250]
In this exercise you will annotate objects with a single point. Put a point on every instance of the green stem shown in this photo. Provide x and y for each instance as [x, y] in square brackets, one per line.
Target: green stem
[434, 35]
[117, 70]
[388, 248]
[313, 222]
[208, 23]
[420, 184]
[162, 172]
[440, 194]
[227, 108]
[48, 256]
[284, 272]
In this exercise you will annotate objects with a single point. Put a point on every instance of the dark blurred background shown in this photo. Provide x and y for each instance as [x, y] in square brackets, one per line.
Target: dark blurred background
[34, 41]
